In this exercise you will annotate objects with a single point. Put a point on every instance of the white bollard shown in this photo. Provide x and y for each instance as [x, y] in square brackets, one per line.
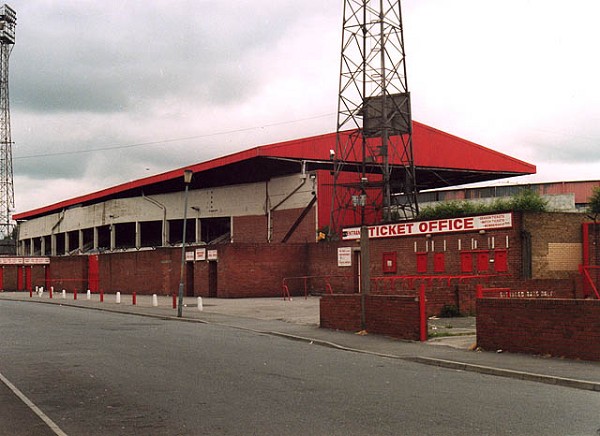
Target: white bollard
[118, 298]
[89, 294]
[64, 293]
[41, 291]
[154, 300]
[200, 308]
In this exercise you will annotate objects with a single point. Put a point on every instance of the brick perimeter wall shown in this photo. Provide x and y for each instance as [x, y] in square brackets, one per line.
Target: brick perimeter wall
[566, 328]
[68, 272]
[254, 269]
[388, 315]
[144, 272]
[340, 312]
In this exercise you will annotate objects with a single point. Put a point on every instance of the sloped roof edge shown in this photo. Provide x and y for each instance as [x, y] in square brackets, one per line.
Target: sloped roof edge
[427, 141]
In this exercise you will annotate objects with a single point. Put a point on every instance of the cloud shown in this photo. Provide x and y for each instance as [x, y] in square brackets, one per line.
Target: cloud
[103, 92]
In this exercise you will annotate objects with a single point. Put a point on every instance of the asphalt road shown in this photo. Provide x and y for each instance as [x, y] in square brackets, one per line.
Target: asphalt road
[98, 373]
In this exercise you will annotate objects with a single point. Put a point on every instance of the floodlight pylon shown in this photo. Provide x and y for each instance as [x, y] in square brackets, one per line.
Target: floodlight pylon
[373, 161]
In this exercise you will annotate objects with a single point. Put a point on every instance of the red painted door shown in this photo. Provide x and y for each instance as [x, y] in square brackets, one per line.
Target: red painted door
[483, 261]
[466, 262]
[93, 273]
[421, 262]
[501, 261]
[439, 263]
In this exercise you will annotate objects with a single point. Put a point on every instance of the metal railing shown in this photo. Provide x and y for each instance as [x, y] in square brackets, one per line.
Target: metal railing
[306, 280]
[588, 280]
[409, 281]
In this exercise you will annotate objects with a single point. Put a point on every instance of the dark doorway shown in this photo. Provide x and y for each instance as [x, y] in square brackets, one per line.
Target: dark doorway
[356, 271]
[189, 279]
[212, 279]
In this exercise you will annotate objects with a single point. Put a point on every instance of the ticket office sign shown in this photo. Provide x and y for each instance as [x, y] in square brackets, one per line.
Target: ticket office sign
[448, 225]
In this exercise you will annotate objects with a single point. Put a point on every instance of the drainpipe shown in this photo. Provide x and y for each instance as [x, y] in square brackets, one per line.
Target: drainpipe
[53, 250]
[60, 218]
[164, 220]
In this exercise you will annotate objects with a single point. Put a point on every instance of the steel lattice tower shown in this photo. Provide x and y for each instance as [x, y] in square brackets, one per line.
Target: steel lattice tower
[374, 125]
[8, 21]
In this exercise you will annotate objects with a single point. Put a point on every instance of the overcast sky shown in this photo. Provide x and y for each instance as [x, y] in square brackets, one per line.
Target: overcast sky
[103, 92]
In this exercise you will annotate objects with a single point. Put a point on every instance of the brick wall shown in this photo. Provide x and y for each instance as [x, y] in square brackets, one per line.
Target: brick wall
[253, 270]
[145, 272]
[556, 240]
[340, 312]
[322, 262]
[250, 229]
[253, 228]
[569, 328]
[388, 315]
[68, 272]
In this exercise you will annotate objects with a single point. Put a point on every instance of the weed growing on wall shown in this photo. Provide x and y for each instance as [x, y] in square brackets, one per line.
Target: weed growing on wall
[526, 200]
[594, 206]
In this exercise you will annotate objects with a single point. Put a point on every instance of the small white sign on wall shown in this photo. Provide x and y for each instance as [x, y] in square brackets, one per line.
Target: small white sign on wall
[189, 256]
[200, 254]
[213, 255]
[344, 256]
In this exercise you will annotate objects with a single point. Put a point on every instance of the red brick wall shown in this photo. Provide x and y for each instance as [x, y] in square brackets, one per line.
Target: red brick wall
[10, 281]
[393, 316]
[569, 328]
[254, 270]
[340, 312]
[253, 229]
[250, 229]
[144, 272]
[246, 269]
[389, 315]
[283, 220]
[322, 262]
[69, 273]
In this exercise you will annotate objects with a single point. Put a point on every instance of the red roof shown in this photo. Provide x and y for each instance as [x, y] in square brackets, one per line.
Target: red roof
[440, 159]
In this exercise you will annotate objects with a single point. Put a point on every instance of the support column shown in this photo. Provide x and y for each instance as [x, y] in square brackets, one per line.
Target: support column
[95, 230]
[198, 230]
[53, 244]
[138, 235]
[113, 237]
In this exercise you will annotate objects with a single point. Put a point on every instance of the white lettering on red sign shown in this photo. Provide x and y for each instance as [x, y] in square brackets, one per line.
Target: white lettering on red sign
[464, 224]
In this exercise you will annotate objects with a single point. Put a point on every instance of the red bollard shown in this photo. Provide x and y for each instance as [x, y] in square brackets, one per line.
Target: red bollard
[133, 299]
[101, 296]
[51, 291]
[30, 293]
[75, 294]
[174, 301]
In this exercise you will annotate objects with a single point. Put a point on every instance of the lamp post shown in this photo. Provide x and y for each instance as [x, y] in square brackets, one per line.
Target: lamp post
[187, 179]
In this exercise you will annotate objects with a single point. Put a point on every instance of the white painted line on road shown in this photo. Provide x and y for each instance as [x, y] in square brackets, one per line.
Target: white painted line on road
[55, 428]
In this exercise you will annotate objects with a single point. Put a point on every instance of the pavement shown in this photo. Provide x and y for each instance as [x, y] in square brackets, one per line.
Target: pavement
[452, 344]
